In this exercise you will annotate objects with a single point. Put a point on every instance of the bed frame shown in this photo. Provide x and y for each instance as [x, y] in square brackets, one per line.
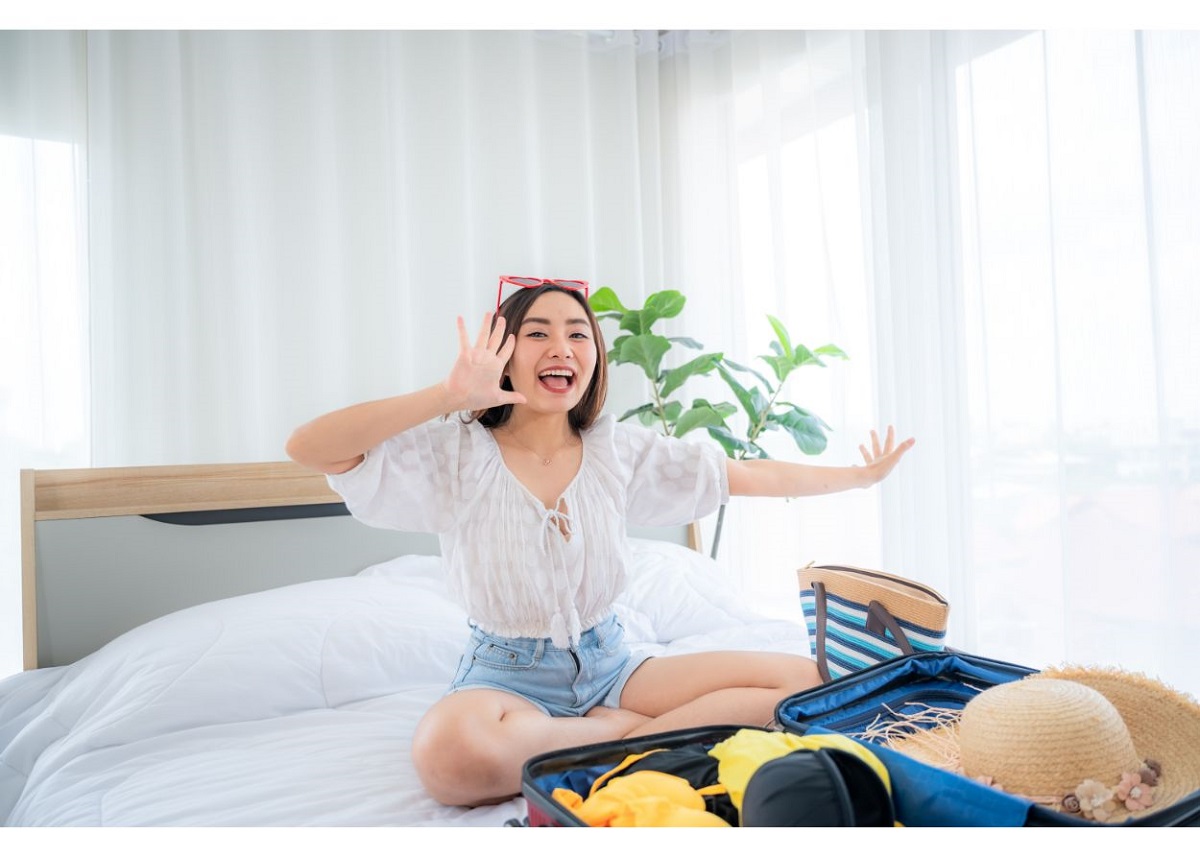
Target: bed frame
[104, 550]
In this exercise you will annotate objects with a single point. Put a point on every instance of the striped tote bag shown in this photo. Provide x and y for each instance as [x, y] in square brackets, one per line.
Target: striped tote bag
[857, 617]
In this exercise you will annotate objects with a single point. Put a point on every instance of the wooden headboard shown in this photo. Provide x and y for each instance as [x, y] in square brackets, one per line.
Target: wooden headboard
[123, 492]
[106, 549]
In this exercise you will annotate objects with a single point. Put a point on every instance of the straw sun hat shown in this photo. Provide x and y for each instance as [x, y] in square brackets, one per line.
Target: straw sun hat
[1105, 744]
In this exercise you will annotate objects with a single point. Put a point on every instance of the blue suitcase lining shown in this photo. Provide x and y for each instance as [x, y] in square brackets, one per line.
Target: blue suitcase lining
[893, 690]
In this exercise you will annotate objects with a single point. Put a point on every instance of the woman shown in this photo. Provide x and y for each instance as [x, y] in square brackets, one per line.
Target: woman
[530, 495]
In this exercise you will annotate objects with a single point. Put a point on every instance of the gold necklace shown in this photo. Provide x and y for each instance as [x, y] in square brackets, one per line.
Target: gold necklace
[544, 459]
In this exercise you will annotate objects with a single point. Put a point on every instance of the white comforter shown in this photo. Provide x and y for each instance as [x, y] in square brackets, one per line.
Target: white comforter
[295, 707]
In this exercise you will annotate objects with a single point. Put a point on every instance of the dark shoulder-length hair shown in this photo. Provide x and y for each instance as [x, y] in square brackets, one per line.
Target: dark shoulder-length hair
[588, 410]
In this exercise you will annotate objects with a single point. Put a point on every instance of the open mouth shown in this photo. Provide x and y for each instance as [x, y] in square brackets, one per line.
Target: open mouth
[557, 380]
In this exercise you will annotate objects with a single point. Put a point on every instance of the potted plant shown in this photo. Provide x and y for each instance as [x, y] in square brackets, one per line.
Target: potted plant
[757, 396]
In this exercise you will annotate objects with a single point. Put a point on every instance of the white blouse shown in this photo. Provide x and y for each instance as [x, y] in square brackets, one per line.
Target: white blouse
[509, 564]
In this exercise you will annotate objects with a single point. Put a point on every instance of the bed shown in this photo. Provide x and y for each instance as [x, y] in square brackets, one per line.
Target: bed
[222, 646]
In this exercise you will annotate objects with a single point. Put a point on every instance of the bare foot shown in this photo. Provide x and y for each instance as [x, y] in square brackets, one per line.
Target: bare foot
[622, 720]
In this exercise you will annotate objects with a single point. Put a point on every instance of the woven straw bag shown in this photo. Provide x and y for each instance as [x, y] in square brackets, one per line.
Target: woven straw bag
[858, 617]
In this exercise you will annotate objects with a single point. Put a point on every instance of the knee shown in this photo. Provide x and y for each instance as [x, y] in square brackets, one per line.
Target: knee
[457, 765]
[799, 673]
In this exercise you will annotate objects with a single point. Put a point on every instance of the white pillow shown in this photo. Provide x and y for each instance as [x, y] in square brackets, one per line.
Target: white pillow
[678, 592]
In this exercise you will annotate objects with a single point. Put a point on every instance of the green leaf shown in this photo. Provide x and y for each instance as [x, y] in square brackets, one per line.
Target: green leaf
[725, 409]
[675, 378]
[704, 416]
[760, 402]
[782, 365]
[804, 357]
[805, 429]
[665, 304]
[806, 413]
[632, 321]
[686, 340]
[605, 299]
[832, 351]
[672, 410]
[759, 375]
[734, 446]
[614, 353]
[649, 419]
[742, 394]
[633, 412]
[645, 350]
[782, 334]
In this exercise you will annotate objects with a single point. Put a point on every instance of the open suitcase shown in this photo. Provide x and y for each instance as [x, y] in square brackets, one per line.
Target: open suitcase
[921, 795]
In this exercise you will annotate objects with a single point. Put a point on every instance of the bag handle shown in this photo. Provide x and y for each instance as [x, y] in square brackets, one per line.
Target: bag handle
[819, 601]
[879, 618]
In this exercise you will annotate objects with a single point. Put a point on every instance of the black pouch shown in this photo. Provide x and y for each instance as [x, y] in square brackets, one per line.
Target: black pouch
[817, 788]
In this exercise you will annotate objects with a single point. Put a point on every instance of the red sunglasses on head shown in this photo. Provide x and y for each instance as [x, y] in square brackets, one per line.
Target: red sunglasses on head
[534, 282]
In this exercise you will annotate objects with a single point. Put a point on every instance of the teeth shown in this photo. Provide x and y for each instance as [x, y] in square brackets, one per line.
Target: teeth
[565, 373]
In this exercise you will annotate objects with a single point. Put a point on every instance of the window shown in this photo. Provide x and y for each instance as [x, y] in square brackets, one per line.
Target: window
[43, 338]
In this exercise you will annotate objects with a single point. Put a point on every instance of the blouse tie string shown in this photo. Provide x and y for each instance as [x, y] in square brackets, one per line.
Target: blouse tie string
[563, 631]
[556, 522]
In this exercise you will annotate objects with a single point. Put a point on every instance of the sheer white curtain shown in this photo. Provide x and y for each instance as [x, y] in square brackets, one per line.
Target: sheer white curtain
[1000, 230]
[43, 283]
[284, 223]
[1079, 187]
[763, 177]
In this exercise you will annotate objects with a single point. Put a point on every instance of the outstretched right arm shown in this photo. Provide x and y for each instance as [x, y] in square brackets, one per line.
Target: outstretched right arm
[338, 441]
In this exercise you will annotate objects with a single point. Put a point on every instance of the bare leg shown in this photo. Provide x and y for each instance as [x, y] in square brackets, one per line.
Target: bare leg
[470, 747]
[707, 688]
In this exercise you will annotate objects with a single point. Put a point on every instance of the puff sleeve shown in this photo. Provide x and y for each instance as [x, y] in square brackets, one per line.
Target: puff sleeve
[412, 481]
[669, 481]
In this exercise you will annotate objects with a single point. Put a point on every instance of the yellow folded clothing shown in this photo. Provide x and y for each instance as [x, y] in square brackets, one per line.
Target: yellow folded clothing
[744, 752]
[641, 799]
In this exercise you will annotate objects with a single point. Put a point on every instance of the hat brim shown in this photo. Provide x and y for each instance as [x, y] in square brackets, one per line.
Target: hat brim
[1163, 723]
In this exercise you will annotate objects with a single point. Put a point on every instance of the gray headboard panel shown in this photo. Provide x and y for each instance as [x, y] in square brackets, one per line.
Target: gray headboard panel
[100, 577]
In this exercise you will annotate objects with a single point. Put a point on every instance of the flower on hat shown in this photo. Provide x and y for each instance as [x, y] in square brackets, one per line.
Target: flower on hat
[1095, 800]
[1135, 794]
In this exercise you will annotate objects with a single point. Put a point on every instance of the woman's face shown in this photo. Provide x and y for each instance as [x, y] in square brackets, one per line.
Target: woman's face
[555, 356]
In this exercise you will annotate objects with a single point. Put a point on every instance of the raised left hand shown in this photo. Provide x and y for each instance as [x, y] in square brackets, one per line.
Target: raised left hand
[882, 458]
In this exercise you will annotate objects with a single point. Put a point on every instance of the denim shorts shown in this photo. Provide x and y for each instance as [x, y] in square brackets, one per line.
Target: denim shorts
[562, 682]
